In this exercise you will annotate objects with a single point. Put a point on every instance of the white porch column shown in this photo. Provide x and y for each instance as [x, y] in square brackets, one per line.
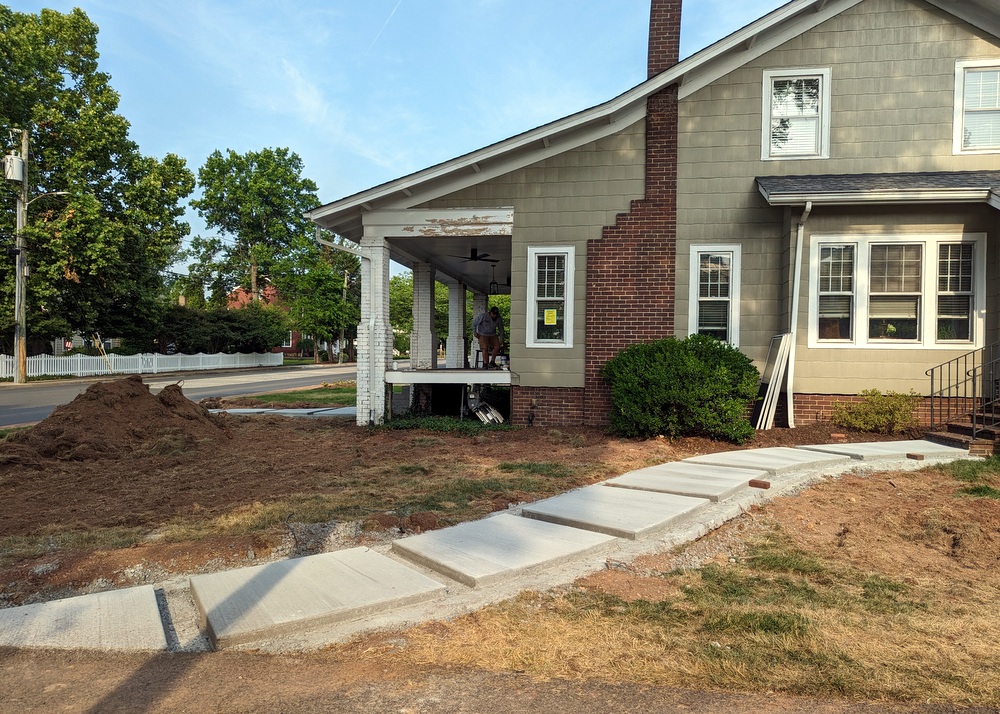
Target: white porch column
[423, 339]
[456, 326]
[374, 332]
[480, 303]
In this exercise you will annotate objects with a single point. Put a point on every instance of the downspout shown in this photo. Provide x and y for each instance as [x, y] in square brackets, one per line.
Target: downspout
[794, 318]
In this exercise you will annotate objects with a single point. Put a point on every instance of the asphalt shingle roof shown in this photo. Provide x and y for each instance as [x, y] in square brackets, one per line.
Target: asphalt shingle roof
[870, 183]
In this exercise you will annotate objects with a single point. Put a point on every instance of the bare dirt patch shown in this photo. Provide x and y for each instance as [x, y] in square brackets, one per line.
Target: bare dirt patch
[134, 467]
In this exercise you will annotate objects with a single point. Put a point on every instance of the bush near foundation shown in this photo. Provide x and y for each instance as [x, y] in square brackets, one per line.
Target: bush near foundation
[881, 413]
[698, 386]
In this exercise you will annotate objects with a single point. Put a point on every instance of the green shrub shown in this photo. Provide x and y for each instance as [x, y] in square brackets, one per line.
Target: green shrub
[888, 413]
[693, 387]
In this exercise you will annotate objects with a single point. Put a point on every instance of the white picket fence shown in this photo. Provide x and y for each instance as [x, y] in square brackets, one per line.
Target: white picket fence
[84, 366]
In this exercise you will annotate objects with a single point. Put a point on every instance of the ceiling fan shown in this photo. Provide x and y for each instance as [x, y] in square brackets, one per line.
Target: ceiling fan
[475, 256]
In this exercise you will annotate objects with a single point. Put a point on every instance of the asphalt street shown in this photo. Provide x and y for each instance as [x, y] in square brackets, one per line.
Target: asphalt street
[32, 402]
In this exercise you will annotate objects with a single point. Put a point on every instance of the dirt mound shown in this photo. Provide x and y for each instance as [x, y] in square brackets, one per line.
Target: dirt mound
[115, 419]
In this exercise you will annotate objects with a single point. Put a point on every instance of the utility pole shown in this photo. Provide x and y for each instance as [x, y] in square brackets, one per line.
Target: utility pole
[20, 267]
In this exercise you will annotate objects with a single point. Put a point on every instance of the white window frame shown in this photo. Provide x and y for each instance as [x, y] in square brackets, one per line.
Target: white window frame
[534, 253]
[289, 342]
[823, 149]
[961, 70]
[927, 326]
[735, 268]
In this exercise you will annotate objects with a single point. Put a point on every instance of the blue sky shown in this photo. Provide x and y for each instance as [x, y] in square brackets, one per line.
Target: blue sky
[366, 91]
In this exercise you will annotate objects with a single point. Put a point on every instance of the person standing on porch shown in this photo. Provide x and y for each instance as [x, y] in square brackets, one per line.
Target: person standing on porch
[488, 329]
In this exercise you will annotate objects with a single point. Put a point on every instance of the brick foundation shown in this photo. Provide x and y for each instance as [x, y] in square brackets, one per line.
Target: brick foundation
[546, 406]
[811, 408]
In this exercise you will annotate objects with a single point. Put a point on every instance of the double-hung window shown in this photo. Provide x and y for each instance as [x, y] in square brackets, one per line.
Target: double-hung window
[955, 302]
[715, 292]
[836, 292]
[896, 291]
[977, 107]
[796, 114]
[550, 297]
[894, 295]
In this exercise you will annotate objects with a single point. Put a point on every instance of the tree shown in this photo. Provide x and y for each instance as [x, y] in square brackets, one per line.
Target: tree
[96, 251]
[257, 200]
[312, 281]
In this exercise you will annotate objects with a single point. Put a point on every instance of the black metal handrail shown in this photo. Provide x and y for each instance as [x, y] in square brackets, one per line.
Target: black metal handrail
[967, 386]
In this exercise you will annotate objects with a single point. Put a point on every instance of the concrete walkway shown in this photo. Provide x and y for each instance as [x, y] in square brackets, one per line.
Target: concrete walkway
[314, 600]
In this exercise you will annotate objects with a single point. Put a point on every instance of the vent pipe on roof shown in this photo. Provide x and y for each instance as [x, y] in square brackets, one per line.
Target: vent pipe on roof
[664, 35]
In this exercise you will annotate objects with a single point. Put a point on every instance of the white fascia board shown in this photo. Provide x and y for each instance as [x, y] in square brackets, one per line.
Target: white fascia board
[385, 223]
[851, 198]
[985, 15]
[994, 200]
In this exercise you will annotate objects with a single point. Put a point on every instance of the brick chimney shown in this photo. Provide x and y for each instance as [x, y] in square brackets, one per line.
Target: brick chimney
[664, 35]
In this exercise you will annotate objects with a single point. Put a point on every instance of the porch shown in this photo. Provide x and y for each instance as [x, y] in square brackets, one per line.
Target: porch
[446, 392]
[469, 251]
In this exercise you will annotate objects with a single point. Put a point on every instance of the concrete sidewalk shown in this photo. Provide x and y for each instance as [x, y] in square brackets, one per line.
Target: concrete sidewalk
[315, 600]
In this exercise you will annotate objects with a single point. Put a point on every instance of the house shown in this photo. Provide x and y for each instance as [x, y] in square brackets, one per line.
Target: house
[832, 171]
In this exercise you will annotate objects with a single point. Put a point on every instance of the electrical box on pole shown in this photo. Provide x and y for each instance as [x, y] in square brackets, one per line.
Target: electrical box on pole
[13, 168]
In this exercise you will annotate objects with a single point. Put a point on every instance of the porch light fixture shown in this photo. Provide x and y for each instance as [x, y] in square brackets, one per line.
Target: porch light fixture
[494, 285]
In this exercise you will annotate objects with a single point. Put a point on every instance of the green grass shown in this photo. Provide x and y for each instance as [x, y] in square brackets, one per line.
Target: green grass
[537, 468]
[18, 548]
[449, 425]
[321, 396]
[457, 496]
[4, 433]
[982, 476]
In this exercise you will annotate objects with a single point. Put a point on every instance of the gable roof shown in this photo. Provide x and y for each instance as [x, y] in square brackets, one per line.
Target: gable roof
[344, 216]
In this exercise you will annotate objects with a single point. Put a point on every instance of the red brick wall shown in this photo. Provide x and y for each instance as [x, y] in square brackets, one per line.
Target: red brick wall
[631, 268]
[546, 406]
[664, 35]
[819, 407]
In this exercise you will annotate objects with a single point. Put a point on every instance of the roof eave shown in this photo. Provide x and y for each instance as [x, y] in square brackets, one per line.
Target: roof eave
[854, 198]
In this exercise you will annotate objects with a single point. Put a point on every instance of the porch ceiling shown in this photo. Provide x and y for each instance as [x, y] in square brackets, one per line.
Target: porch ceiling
[450, 257]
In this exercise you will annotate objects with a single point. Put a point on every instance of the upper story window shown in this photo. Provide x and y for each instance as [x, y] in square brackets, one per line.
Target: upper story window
[796, 114]
[715, 292]
[550, 297]
[977, 107]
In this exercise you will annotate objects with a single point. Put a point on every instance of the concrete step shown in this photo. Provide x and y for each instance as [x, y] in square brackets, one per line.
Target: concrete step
[301, 594]
[686, 479]
[621, 512]
[498, 548]
[876, 450]
[776, 460]
[976, 447]
[119, 620]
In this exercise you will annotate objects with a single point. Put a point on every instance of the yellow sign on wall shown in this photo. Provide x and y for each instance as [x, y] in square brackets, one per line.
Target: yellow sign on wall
[550, 317]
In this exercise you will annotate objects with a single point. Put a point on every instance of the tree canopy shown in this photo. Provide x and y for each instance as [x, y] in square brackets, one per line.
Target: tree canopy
[255, 200]
[96, 254]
